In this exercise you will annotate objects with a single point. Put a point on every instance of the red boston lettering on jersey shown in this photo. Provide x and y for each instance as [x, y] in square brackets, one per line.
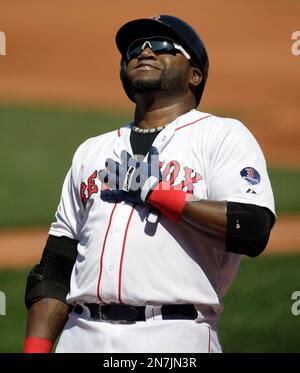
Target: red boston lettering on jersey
[83, 197]
[86, 190]
[171, 172]
[92, 187]
[190, 178]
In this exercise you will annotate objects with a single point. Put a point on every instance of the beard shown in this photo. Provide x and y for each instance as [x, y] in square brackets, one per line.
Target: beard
[171, 80]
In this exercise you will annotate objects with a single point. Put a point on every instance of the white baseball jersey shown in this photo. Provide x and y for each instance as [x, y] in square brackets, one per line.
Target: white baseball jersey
[122, 258]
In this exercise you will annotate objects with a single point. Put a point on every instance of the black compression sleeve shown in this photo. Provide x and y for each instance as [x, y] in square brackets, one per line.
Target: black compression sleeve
[59, 257]
[51, 277]
[248, 228]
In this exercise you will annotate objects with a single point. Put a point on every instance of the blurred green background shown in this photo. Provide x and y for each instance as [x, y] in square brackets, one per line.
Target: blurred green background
[36, 148]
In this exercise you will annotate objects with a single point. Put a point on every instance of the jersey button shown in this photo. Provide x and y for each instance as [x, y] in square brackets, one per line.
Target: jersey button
[117, 230]
[110, 268]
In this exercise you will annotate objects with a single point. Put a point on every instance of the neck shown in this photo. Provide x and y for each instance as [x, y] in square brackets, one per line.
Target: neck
[152, 113]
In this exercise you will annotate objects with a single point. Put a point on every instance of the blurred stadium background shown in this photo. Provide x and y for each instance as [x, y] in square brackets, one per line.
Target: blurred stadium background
[59, 84]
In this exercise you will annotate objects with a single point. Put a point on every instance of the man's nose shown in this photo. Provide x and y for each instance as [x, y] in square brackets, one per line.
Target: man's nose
[147, 53]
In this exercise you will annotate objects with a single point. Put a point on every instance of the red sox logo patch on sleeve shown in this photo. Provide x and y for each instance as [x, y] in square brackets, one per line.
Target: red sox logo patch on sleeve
[250, 175]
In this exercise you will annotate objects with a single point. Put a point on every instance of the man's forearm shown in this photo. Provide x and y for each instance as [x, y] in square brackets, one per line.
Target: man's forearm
[206, 216]
[46, 319]
[240, 228]
[237, 227]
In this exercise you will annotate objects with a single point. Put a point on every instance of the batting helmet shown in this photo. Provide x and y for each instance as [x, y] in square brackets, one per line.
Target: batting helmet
[172, 28]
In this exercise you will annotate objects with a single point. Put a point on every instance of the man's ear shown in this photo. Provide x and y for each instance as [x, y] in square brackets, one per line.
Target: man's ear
[196, 76]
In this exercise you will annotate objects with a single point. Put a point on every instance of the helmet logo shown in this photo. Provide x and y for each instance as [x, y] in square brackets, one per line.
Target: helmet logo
[156, 18]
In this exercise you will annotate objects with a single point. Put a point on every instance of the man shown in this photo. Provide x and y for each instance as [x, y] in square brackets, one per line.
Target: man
[155, 215]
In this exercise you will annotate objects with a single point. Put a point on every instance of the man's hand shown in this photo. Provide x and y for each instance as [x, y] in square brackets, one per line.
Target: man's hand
[130, 179]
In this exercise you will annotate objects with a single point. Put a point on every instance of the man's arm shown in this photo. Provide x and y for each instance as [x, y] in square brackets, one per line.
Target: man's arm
[48, 284]
[242, 228]
[207, 216]
[46, 319]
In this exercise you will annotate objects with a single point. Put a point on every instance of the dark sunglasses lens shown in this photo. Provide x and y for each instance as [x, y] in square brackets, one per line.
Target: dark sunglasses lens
[162, 46]
[135, 49]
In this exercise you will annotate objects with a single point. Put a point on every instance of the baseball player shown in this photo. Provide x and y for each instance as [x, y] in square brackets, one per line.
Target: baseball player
[154, 216]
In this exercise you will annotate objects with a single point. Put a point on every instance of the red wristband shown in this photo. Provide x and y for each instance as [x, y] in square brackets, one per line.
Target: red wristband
[168, 200]
[37, 345]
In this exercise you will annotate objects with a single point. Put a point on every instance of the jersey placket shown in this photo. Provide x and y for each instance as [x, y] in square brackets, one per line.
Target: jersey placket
[113, 253]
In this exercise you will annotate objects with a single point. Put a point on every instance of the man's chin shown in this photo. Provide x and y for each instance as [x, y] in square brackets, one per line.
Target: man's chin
[145, 86]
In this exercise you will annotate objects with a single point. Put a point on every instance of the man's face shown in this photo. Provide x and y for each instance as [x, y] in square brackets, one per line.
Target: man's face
[151, 71]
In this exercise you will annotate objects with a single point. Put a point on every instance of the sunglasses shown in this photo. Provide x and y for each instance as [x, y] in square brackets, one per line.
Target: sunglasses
[157, 45]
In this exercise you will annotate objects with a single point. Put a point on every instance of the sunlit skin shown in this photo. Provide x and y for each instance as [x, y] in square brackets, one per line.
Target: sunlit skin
[154, 109]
